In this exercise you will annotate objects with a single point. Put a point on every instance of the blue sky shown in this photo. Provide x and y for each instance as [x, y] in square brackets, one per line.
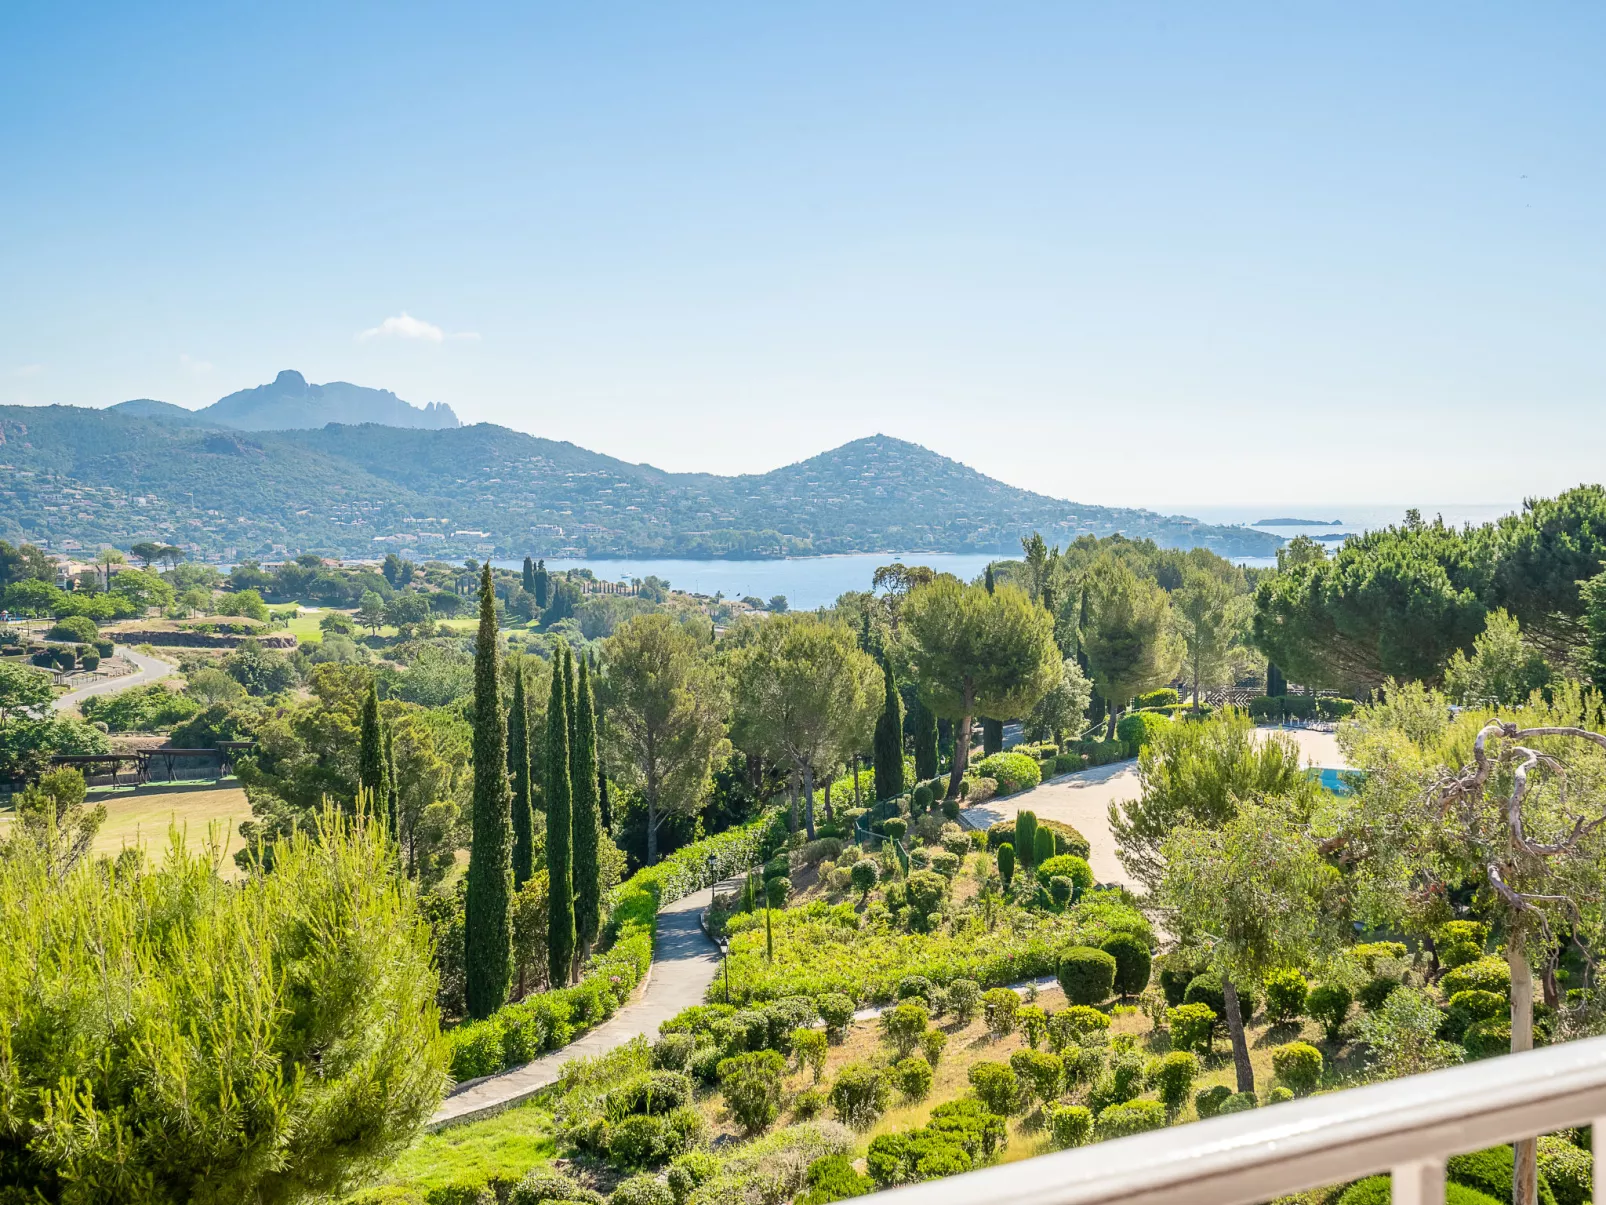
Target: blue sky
[1140, 254]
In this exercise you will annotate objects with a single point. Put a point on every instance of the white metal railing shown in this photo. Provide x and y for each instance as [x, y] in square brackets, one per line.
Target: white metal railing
[1405, 1127]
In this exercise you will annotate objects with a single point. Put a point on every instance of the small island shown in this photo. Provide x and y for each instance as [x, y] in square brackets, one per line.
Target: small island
[1296, 523]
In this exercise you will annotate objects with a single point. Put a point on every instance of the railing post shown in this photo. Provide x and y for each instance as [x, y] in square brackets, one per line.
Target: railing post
[1420, 1183]
[1599, 1142]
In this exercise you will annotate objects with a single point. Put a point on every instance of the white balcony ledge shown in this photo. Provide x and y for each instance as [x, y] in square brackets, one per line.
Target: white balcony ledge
[1407, 1127]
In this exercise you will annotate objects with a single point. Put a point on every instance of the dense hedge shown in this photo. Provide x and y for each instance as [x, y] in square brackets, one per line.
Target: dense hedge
[549, 1020]
[1138, 728]
[1067, 840]
[1013, 771]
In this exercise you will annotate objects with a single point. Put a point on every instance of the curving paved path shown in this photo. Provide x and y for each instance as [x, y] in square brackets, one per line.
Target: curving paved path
[684, 963]
[150, 669]
[1083, 800]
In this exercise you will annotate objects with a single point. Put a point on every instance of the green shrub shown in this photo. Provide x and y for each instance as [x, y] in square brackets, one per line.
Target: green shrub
[1191, 1026]
[1033, 1024]
[895, 827]
[1075, 1024]
[78, 628]
[864, 876]
[751, 1084]
[1132, 962]
[642, 1190]
[1299, 1065]
[1013, 771]
[1138, 728]
[945, 863]
[1083, 1064]
[689, 1172]
[1175, 975]
[860, 1095]
[542, 1185]
[1042, 846]
[1369, 954]
[1468, 1008]
[902, 1026]
[1489, 1171]
[1006, 864]
[1038, 1072]
[1286, 991]
[673, 1051]
[1087, 976]
[1376, 991]
[809, 1104]
[809, 1048]
[833, 1178]
[836, 1010]
[1206, 989]
[1239, 1102]
[1208, 1102]
[1000, 1006]
[1131, 1117]
[922, 799]
[1329, 1004]
[1490, 974]
[1458, 953]
[1475, 932]
[1068, 1126]
[997, 1087]
[1486, 1039]
[1172, 1076]
[1067, 840]
[1378, 1190]
[1164, 697]
[1067, 763]
[932, 1043]
[1569, 1171]
[912, 1077]
[1279, 1094]
[1071, 866]
[964, 999]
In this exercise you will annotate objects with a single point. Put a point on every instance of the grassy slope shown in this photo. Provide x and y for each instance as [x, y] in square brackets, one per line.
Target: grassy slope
[144, 817]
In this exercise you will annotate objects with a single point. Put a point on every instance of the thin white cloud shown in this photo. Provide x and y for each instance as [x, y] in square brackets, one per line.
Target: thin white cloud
[405, 326]
[28, 370]
[193, 366]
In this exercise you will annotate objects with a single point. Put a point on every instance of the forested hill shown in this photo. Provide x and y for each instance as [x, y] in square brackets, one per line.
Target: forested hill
[70, 475]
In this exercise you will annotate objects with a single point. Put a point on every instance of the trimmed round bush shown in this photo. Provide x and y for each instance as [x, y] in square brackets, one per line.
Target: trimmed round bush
[1208, 1102]
[751, 1084]
[1068, 1126]
[808, 1104]
[1569, 1170]
[1176, 973]
[1072, 867]
[1458, 954]
[1086, 975]
[1329, 1004]
[1138, 728]
[997, 1087]
[922, 799]
[1286, 991]
[864, 876]
[1172, 1076]
[859, 1095]
[777, 892]
[1468, 1008]
[1489, 974]
[964, 999]
[1132, 962]
[1299, 1065]
[1039, 1073]
[1279, 1095]
[902, 1026]
[1131, 1117]
[932, 1043]
[912, 1077]
[836, 1010]
[1192, 1025]
[1073, 1025]
[673, 1051]
[78, 628]
[1378, 1190]
[1239, 1102]
[1013, 771]
[1375, 993]
[945, 864]
[1061, 890]
[1489, 1172]
[914, 986]
[895, 827]
[1206, 989]
[1485, 1039]
[833, 1178]
[642, 1190]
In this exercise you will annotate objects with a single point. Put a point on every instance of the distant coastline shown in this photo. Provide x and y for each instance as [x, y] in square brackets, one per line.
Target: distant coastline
[1297, 523]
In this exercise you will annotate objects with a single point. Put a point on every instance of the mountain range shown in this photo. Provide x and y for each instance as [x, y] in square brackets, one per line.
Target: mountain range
[289, 403]
[74, 478]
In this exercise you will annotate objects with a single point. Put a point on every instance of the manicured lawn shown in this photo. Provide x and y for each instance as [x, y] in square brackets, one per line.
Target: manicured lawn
[508, 1144]
[144, 817]
[304, 627]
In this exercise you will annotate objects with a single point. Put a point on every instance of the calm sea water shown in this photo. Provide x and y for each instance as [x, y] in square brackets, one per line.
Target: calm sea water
[809, 582]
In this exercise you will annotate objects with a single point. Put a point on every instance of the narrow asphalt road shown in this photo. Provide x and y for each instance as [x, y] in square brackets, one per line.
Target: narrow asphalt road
[684, 963]
[1083, 799]
[150, 669]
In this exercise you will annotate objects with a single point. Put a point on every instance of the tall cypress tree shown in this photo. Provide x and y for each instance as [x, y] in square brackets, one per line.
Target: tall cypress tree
[371, 775]
[392, 785]
[889, 740]
[559, 859]
[925, 740]
[1276, 684]
[989, 581]
[992, 736]
[586, 821]
[543, 585]
[604, 806]
[518, 755]
[529, 576]
[488, 908]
